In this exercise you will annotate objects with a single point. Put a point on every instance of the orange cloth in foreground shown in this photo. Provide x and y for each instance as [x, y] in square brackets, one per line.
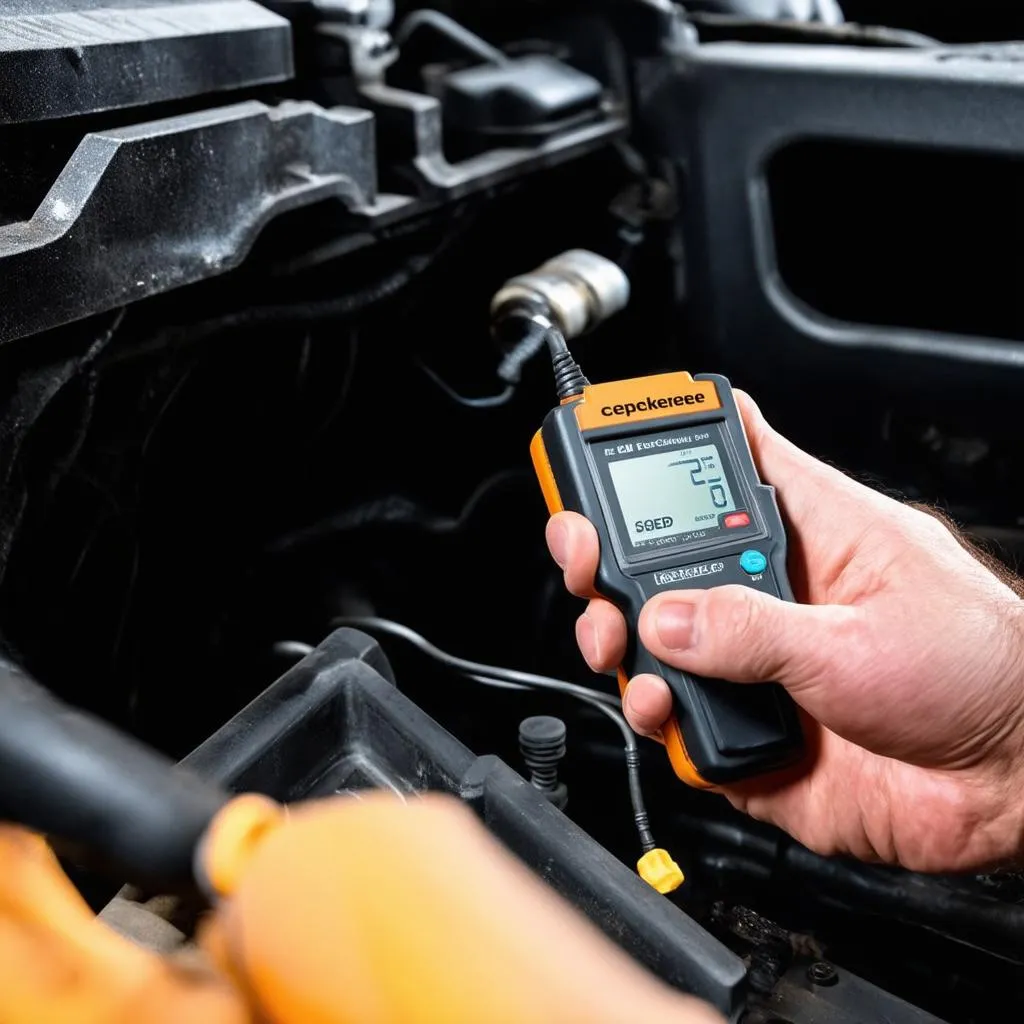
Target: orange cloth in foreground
[343, 912]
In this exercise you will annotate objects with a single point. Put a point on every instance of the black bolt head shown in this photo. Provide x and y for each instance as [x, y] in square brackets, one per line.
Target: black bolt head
[821, 973]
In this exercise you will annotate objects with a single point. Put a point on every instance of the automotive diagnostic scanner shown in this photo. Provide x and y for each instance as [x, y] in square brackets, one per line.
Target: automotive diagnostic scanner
[662, 468]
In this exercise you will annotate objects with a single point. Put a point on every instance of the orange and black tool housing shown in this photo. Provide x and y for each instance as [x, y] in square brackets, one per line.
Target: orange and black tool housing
[662, 468]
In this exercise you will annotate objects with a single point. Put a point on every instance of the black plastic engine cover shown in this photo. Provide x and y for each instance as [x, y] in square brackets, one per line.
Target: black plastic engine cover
[336, 723]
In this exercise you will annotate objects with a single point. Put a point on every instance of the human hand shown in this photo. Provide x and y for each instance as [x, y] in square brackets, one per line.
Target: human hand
[907, 655]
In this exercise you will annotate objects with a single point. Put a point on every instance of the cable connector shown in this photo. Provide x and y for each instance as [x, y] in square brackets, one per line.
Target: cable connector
[576, 290]
[533, 331]
[660, 871]
[566, 297]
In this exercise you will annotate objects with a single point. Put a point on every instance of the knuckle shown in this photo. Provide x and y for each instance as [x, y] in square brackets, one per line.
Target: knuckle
[852, 651]
[903, 528]
[738, 634]
[927, 524]
[732, 613]
[855, 635]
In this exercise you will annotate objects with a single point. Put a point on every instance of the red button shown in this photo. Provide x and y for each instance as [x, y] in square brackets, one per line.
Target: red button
[736, 520]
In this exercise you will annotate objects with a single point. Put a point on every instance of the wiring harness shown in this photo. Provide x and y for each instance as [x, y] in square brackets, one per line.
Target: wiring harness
[655, 865]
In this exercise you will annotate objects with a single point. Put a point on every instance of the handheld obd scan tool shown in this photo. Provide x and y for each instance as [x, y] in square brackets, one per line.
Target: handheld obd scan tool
[662, 468]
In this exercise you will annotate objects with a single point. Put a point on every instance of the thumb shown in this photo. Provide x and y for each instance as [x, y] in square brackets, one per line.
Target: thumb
[744, 636]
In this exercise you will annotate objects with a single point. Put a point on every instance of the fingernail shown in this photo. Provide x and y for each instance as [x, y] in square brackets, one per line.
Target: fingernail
[586, 639]
[674, 625]
[558, 543]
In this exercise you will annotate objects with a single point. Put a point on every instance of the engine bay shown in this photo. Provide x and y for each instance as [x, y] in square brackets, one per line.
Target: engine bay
[251, 399]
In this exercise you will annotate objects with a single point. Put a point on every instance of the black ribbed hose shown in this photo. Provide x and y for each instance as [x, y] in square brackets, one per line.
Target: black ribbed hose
[75, 778]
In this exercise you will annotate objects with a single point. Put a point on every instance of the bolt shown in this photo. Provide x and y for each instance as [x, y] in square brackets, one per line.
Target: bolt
[821, 973]
[542, 744]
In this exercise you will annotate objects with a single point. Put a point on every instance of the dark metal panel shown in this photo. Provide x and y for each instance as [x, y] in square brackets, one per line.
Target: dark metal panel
[723, 110]
[99, 240]
[843, 998]
[64, 57]
[142, 209]
[412, 124]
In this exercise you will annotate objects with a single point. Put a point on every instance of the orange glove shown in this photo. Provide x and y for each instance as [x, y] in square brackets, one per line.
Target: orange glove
[362, 912]
[60, 965]
[378, 912]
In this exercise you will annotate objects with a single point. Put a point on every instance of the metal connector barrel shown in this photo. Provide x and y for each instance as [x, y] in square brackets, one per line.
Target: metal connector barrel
[576, 291]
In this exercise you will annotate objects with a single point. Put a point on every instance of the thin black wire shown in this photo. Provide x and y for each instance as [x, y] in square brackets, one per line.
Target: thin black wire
[300, 312]
[482, 672]
[537, 329]
[534, 337]
[636, 796]
[394, 512]
[294, 313]
[484, 402]
[341, 400]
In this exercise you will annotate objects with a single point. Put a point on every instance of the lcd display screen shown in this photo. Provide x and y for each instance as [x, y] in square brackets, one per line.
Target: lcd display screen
[669, 493]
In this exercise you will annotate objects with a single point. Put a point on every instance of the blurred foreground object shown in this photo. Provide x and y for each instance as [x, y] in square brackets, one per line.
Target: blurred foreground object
[342, 911]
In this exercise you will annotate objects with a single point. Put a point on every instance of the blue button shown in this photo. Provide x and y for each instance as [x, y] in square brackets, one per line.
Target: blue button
[753, 562]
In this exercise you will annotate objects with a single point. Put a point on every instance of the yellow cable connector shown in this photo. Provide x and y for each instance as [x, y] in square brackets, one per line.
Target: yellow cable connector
[660, 871]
